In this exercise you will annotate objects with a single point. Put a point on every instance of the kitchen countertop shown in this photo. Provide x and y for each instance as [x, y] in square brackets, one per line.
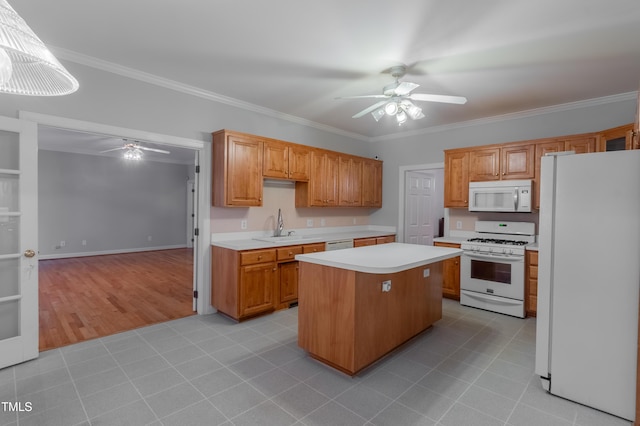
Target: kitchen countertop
[251, 244]
[381, 259]
[450, 240]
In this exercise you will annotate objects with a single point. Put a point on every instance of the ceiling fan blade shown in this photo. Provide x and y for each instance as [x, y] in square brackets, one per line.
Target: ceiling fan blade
[113, 149]
[405, 87]
[363, 97]
[162, 151]
[370, 109]
[438, 98]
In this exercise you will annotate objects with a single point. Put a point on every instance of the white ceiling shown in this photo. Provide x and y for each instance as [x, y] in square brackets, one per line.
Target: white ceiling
[295, 57]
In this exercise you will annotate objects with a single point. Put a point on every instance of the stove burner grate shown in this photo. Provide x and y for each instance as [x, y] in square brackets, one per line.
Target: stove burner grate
[497, 241]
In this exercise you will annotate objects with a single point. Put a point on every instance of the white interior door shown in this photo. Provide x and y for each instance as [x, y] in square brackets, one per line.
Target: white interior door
[18, 241]
[419, 208]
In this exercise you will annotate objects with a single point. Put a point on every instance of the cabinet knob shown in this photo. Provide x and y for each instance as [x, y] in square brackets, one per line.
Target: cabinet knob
[260, 257]
[290, 253]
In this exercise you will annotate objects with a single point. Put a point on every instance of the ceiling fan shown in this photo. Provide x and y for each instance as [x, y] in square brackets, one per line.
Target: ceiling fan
[133, 150]
[397, 99]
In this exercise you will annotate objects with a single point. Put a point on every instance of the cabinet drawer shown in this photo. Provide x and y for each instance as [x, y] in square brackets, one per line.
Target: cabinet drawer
[288, 253]
[313, 248]
[385, 240]
[257, 256]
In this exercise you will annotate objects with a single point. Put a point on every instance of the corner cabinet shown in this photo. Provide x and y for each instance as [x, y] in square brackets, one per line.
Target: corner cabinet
[237, 170]
[450, 273]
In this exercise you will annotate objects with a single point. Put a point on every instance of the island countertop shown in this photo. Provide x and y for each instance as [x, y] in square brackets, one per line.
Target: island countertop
[381, 259]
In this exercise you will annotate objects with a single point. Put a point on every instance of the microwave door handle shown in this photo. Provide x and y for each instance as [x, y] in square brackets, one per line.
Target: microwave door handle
[516, 199]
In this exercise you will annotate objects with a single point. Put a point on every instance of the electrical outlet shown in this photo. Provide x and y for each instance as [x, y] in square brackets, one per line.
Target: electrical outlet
[149, 238]
[354, 220]
[322, 222]
[309, 223]
[426, 273]
[63, 243]
[459, 224]
[386, 286]
[243, 224]
[84, 242]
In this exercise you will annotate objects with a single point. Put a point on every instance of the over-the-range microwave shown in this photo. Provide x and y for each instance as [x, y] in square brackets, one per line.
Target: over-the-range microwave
[500, 196]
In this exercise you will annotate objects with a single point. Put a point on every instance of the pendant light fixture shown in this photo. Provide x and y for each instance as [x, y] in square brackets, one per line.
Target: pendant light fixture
[27, 67]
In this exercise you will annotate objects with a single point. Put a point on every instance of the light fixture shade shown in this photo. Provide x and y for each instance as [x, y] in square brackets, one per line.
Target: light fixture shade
[35, 71]
[401, 117]
[378, 114]
[391, 108]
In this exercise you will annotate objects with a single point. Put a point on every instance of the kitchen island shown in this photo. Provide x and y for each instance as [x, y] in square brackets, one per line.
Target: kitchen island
[357, 305]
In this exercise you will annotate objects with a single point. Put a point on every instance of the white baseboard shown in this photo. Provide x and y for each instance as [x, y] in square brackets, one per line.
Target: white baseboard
[104, 252]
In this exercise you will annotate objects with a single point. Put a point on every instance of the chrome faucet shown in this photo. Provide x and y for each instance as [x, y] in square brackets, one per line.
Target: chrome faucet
[279, 225]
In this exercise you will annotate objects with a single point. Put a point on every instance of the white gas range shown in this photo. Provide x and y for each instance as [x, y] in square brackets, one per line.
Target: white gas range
[492, 266]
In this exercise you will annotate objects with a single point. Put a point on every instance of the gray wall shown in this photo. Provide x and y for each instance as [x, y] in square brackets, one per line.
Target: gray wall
[113, 204]
[429, 148]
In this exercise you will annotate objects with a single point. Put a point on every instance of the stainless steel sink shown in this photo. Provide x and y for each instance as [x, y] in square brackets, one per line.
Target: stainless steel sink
[289, 239]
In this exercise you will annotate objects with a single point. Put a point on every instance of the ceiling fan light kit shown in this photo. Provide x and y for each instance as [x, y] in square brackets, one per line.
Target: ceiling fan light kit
[398, 99]
[133, 151]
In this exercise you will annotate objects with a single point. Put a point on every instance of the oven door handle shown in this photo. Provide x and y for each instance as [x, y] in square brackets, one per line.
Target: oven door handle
[493, 299]
[495, 257]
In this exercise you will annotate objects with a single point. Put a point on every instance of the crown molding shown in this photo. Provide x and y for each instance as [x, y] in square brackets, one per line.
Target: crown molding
[114, 68]
[629, 96]
[111, 67]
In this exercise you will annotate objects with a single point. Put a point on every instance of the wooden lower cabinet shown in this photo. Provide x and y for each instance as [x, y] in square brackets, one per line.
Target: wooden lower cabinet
[372, 241]
[257, 283]
[450, 273]
[248, 283]
[531, 283]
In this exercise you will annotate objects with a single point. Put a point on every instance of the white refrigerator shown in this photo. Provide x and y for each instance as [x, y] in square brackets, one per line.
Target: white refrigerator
[589, 279]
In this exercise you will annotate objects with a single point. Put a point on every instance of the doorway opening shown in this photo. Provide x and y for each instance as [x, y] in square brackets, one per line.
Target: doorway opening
[134, 285]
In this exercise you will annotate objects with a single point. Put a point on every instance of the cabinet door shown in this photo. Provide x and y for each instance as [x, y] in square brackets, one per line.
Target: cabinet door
[244, 173]
[616, 139]
[299, 162]
[331, 178]
[581, 145]
[256, 288]
[484, 164]
[450, 273]
[456, 181]
[324, 179]
[372, 183]
[288, 282]
[517, 162]
[349, 181]
[276, 160]
[543, 148]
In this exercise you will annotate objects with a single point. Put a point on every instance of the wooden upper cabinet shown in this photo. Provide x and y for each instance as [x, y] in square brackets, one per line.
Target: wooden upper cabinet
[517, 162]
[322, 188]
[484, 164]
[299, 162]
[349, 181]
[283, 160]
[371, 183]
[615, 139]
[456, 178]
[237, 169]
[502, 163]
[582, 144]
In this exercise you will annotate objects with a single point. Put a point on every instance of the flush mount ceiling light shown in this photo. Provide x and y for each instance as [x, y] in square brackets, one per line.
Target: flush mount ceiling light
[27, 67]
[397, 99]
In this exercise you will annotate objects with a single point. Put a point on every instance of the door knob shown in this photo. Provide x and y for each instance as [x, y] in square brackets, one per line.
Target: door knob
[29, 253]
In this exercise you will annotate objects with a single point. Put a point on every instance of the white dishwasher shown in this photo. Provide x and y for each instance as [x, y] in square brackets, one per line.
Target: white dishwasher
[338, 244]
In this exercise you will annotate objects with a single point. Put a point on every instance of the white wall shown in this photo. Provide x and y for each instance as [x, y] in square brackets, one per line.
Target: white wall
[113, 204]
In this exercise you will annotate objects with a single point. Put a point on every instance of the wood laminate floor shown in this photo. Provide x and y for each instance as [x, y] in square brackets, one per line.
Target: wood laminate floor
[84, 298]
